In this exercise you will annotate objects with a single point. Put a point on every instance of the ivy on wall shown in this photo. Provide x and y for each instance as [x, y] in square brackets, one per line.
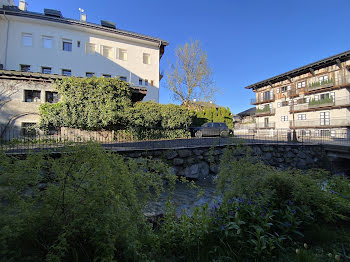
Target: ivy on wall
[213, 114]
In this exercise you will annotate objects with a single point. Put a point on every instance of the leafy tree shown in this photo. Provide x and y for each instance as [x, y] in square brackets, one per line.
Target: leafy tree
[212, 114]
[88, 103]
[191, 77]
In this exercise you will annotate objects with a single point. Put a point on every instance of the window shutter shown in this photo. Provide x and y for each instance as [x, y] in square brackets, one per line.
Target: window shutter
[278, 90]
[288, 87]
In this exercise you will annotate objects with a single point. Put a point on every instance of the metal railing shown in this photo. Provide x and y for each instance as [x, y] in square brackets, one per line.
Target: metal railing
[337, 101]
[264, 100]
[269, 112]
[265, 125]
[321, 123]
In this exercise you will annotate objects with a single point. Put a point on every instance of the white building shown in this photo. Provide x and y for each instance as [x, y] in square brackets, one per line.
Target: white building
[51, 44]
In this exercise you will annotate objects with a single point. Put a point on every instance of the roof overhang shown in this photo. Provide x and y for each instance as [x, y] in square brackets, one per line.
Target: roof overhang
[43, 17]
[333, 60]
[137, 92]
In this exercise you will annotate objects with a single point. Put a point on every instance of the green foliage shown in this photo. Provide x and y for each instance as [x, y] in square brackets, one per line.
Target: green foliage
[212, 114]
[321, 83]
[84, 206]
[327, 100]
[265, 109]
[87, 103]
[150, 115]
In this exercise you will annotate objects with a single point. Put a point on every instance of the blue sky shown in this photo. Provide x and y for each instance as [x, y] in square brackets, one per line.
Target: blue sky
[246, 40]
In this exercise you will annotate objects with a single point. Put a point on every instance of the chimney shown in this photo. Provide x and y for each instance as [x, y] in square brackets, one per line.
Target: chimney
[22, 5]
[82, 15]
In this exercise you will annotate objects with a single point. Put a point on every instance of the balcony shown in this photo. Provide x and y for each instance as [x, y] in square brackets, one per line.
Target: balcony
[325, 103]
[266, 111]
[294, 92]
[265, 125]
[321, 123]
[262, 101]
[332, 83]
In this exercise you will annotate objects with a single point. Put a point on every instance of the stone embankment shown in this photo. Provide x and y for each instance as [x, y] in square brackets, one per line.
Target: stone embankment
[203, 163]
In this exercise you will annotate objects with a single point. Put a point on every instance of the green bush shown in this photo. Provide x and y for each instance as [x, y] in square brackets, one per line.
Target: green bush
[212, 114]
[326, 100]
[84, 206]
[87, 103]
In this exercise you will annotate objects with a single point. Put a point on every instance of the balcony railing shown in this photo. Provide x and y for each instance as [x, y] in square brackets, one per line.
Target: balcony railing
[294, 91]
[265, 125]
[326, 123]
[265, 112]
[261, 101]
[245, 126]
[336, 81]
[328, 102]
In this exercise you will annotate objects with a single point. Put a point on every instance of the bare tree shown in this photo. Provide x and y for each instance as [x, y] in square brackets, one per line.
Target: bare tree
[7, 90]
[191, 77]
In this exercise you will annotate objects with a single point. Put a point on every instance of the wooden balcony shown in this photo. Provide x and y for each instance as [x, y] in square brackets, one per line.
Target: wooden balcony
[264, 125]
[333, 83]
[262, 101]
[263, 112]
[320, 123]
[323, 104]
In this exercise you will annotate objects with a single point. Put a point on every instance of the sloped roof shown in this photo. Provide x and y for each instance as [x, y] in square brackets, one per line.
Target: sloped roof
[248, 112]
[302, 70]
[13, 10]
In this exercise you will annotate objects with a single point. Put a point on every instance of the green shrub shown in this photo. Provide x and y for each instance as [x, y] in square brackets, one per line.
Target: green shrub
[84, 206]
[213, 114]
[87, 103]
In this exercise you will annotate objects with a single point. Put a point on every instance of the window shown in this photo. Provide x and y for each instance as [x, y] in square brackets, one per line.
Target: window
[324, 119]
[284, 118]
[279, 104]
[122, 54]
[146, 82]
[325, 132]
[47, 42]
[284, 89]
[89, 74]
[323, 78]
[277, 90]
[140, 81]
[107, 51]
[317, 132]
[123, 78]
[28, 129]
[27, 39]
[66, 72]
[301, 116]
[301, 84]
[25, 68]
[324, 96]
[90, 48]
[51, 97]
[67, 45]
[78, 44]
[46, 70]
[146, 58]
[106, 76]
[32, 95]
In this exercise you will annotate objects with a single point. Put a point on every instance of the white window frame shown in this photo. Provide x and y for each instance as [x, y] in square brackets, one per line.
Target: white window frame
[107, 51]
[301, 84]
[279, 104]
[284, 118]
[301, 116]
[46, 38]
[91, 48]
[122, 54]
[146, 58]
[26, 36]
[67, 41]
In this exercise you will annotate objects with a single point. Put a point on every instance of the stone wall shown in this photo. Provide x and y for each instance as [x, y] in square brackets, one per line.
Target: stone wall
[202, 163]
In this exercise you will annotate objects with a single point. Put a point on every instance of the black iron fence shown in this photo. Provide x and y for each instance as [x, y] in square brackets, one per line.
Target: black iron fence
[14, 140]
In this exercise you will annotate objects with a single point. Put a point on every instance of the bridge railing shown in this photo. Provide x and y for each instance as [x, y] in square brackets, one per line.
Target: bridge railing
[22, 140]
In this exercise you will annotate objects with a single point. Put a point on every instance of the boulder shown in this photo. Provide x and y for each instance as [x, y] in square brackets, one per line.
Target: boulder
[178, 161]
[171, 155]
[197, 171]
[185, 153]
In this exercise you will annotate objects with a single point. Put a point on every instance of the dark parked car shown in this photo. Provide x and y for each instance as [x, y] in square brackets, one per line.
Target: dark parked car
[210, 129]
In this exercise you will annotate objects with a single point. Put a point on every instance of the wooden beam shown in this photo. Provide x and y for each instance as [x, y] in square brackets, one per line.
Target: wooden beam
[312, 71]
[339, 63]
[290, 79]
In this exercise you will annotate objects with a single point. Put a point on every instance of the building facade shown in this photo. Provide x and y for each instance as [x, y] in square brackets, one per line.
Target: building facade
[313, 100]
[51, 44]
